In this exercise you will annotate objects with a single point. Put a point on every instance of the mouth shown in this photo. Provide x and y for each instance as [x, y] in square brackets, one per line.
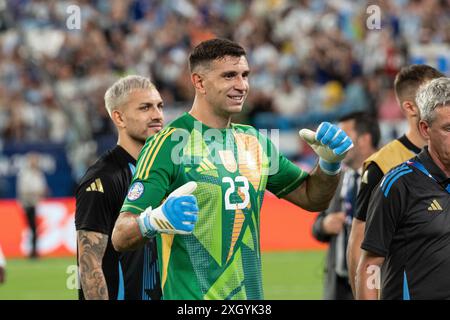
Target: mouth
[237, 99]
[156, 126]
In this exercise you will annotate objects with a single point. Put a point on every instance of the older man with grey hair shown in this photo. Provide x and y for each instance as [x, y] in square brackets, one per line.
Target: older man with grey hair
[135, 107]
[407, 236]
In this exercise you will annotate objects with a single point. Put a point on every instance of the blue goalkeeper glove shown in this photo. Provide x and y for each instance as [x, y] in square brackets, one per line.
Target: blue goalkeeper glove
[177, 215]
[330, 143]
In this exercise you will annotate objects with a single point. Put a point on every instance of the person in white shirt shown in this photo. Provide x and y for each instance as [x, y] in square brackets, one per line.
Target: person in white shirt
[2, 267]
[31, 188]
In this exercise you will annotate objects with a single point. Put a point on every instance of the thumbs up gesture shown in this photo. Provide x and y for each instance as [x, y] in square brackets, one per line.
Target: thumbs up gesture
[177, 215]
[330, 143]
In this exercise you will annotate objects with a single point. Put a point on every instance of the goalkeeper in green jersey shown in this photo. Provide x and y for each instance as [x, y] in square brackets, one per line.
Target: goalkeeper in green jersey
[199, 185]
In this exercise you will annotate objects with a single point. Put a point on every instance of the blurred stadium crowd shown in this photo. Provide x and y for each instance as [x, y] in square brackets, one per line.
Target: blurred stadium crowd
[310, 61]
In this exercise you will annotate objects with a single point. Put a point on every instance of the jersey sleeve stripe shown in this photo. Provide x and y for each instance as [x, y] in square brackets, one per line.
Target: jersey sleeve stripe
[131, 206]
[391, 174]
[401, 173]
[157, 148]
[147, 152]
[149, 155]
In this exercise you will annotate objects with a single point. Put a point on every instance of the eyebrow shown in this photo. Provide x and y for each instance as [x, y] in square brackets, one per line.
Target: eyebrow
[232, 72]
[150, 103]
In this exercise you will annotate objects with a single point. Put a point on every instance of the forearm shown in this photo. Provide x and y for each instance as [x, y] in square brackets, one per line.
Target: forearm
[93, 281]
[354, 250]
[126, 234]
[91, 248]
[316, 192]
[363, 290]
[368, 277]
[320, 189]
[352, 262]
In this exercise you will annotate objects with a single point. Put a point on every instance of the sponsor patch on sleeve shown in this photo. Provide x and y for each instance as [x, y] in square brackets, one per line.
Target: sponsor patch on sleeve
[136, 191]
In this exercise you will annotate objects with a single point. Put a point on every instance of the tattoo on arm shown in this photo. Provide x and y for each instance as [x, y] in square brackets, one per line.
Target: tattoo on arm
[91, 248]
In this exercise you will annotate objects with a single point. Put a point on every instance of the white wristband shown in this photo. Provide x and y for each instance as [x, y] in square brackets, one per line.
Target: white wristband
[144, 224]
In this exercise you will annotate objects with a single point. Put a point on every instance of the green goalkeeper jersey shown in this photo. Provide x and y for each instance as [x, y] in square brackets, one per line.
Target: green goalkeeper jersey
[233, 167]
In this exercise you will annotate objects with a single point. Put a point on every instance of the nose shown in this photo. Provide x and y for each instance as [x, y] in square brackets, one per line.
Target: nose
[241, 83]
[157, 114]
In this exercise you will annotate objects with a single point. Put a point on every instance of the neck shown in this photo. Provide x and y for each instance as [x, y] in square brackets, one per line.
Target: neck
[203, 112]
[130, 145]
[437, 160]
[414, 135]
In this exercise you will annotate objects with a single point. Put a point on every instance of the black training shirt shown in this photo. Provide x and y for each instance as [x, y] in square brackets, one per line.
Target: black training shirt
[99, 198]
[408, 223]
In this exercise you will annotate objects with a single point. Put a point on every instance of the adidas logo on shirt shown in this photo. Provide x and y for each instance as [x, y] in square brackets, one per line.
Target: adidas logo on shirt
[96, 186]
[435, 206]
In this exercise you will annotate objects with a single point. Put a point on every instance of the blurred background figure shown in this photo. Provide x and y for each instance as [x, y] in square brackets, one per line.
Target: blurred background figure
[31, 188]
[2, 267]
[333, 225]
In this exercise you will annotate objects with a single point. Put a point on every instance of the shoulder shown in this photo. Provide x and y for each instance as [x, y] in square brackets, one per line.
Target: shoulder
[104, 169]
[372, 174]
[397, 178]
[168, 136]
[389, 156]
[162, 143]
[163, 150]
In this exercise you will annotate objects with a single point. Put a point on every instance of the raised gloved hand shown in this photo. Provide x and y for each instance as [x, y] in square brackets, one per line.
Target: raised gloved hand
[330, 143]
[177, 215]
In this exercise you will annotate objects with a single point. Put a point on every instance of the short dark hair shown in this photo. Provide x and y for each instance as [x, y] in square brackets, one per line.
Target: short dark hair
[213, 49]
[365, 123]
[410, 78]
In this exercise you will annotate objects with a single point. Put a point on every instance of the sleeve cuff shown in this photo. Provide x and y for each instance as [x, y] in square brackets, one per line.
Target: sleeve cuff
[294, 185]
[130, 208]
[329, 168]
[93, 228]
[378, 251]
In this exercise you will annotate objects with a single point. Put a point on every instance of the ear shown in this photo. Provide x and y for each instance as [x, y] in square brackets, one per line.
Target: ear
[410, 108]
[117, 118]
[424, 129]
[198, 82]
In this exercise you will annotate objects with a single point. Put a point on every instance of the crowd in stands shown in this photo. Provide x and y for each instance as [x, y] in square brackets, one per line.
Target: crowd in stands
[310, 60]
